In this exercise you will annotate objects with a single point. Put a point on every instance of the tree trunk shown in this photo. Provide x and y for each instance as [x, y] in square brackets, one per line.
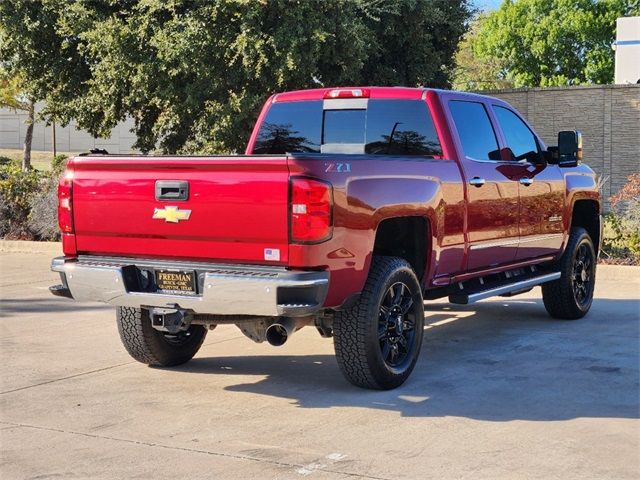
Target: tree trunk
[53, 138]
[26, 158]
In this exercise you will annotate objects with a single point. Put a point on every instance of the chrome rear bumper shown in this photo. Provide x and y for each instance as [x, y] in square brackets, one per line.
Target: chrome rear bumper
[221, 289]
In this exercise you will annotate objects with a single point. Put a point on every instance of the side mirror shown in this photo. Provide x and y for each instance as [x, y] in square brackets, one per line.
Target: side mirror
[569, 148]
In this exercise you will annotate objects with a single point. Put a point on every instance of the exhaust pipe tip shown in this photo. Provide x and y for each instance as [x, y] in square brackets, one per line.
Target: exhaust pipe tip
[277, 335]
[279, 332]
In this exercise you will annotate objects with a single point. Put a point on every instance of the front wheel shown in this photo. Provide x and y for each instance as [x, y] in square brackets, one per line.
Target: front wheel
[570, 296]
[148, 345]
[378, 340]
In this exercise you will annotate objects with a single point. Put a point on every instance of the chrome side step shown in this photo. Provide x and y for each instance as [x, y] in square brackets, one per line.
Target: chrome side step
[465, 298]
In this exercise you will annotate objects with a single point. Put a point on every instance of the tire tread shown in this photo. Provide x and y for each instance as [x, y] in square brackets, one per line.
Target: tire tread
[146, 345]
[351, 325]
[557, 296]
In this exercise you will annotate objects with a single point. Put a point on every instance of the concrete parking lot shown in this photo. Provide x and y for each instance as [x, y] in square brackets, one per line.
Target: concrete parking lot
[500, 391]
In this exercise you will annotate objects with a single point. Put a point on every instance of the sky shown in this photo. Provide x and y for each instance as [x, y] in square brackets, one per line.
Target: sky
[487, 4]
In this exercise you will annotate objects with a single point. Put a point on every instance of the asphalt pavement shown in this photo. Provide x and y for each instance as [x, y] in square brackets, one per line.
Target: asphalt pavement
[500, 391]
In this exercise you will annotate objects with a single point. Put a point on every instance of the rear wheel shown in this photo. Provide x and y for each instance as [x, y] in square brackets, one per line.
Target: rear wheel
[378, 340]
[570, 296]
[148, 345]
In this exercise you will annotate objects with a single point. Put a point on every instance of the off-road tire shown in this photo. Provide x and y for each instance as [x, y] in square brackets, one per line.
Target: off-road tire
[150, 346]
[559, 296]
[356, 330]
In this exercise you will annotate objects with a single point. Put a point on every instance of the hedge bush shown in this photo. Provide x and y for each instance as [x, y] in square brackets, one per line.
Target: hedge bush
[28, 201]
[621, 240]
[43, 219]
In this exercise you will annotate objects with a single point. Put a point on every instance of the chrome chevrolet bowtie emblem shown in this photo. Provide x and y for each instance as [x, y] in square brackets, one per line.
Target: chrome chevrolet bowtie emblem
[171, 214]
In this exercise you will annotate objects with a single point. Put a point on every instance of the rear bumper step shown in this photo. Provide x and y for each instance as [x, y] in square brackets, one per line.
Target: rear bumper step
[465, 298]
[60, 291]
[221, 290]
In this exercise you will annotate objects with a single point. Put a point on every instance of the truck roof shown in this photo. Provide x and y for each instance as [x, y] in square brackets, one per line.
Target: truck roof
[406, 93]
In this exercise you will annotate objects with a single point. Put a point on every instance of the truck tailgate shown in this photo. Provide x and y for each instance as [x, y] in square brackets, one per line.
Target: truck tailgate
[237, 208]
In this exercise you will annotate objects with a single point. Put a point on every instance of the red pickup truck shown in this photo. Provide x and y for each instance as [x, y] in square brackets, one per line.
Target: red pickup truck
[350, 207]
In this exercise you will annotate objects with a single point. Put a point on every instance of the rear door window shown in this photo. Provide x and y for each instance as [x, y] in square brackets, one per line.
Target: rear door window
[475, 131]
[401, 127]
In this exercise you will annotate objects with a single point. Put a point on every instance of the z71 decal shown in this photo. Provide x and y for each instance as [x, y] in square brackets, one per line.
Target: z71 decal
[337, 167]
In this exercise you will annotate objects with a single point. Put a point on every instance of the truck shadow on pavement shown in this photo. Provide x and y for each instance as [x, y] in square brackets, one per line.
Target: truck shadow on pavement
[12, 307]
[496, 361]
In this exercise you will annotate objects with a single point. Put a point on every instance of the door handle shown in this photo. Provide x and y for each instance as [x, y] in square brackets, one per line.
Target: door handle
[172, 190]
[477, 182]
[526, 181]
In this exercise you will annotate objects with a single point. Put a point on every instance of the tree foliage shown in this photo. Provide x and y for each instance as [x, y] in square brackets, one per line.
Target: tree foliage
[193, 74]
[540, 43]
[12, 92]
[413, 43]
[475, 72]
[14, 95]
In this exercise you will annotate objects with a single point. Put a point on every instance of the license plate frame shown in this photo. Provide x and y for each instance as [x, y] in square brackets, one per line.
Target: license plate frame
[181, 282]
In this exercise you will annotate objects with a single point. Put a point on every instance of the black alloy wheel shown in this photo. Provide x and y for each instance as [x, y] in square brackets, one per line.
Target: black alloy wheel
[570, 297]
[378, 340]
[582, 275]
[396, 326]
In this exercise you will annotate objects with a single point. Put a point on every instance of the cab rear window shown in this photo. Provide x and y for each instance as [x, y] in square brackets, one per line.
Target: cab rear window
[380, 127]
[291, 127]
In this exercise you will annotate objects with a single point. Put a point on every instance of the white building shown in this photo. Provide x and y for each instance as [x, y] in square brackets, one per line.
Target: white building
[69, 139]
[627, 49]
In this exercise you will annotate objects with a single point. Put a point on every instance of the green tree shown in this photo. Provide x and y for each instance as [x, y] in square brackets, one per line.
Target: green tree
[14, 96]
[476, 72]
[193, 73]
[413, 43]
[35, 51]
[551, 42]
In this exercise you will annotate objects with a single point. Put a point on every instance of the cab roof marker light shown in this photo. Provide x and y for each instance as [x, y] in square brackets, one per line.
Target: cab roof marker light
[347, 93]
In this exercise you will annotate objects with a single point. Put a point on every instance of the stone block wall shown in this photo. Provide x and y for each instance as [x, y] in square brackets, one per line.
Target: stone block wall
[607, 115]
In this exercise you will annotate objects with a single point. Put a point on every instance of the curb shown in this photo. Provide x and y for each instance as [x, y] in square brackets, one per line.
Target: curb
[24, 246]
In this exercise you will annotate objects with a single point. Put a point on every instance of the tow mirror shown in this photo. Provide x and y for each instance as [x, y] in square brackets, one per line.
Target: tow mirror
[569, 148]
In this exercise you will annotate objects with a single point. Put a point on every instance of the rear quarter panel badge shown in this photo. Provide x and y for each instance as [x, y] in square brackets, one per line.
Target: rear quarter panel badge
[337, 167]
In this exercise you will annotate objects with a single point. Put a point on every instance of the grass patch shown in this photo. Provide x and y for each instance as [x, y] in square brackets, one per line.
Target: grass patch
[39, 160]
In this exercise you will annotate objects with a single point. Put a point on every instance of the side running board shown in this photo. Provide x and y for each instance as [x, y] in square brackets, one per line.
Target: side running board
[465, 298]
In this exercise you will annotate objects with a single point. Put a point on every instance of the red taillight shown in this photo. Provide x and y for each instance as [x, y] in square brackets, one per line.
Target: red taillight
[347, 93]
[65, 204]
[310, 210]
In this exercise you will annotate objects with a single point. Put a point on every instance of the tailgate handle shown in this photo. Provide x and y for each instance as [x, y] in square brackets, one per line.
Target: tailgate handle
[172, 190]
